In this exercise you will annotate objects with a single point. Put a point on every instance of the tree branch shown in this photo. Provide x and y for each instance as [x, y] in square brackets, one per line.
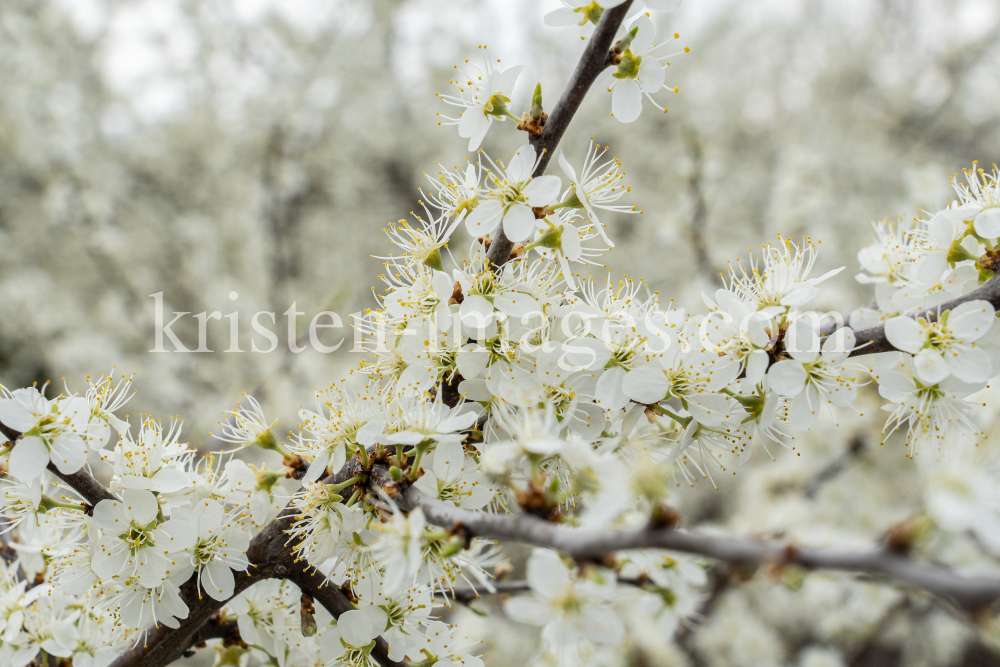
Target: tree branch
[84, 483]
[467, 595]
[969, 593]
[874, 339]
[216, 628]
[593, 61]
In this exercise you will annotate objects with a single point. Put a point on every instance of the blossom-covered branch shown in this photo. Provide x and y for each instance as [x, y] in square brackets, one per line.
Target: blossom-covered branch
[504, 394]
[595, 59]
[970, 593]
[873, 340]
[270, 556]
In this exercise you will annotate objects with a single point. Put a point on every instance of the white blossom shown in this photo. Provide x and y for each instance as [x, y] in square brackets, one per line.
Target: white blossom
[637, 71]
[52, 431]
[513, 193]
[946, 345]
[483, 96]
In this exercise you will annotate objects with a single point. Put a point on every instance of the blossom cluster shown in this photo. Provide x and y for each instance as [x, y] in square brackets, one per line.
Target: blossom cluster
[512, 386]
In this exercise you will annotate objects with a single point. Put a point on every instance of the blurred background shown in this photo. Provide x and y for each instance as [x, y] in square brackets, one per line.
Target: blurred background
[201, 148]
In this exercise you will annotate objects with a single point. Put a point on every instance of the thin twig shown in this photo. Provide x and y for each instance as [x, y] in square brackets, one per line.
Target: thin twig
[467, 595]
[588, 544]
[593, 61]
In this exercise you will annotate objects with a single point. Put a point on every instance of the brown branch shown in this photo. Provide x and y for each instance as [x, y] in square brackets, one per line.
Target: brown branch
[587, 544]
[593, 61]
[216, 628]
[467, 595]
[84, 483]
[873, 340]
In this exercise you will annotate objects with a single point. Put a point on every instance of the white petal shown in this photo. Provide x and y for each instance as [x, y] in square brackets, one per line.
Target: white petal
[801, 340]
[98, 433]
[562, 17]
[474, 390]
[802, 414]
[626, 100]
[29, 458]
[651, 75]
[517, 304]
[218, 581]
[970, 364]
[905, 334]
[547, 576]
[646, 385]
[931, 266]
[518, 222]
[109, 558]
[476, 313]
[484, 218]
[971, 320]
[16, 415]
[930, 367]
[567, 167]
[587, 354]
[168, 480]
[507, 79]
[473, 123]
[787, 377]
[757, 332]
[757, 366]
[356, 628]
[988, 223]
[141, 504]
[176, 535]
[894, 386]
[472, 360]
[609, 394]
[449, 459]
[68, 452]
[110, 515]
[542, 191]
[644, 37]
[709, 409]
[521, 164]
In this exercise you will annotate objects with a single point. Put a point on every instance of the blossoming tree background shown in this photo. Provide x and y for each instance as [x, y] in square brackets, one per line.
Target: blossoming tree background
[590, 426]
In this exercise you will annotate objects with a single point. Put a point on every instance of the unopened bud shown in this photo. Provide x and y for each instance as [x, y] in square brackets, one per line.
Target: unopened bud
[625, 42]
[536, 102]
[267, 440]
[433, 260]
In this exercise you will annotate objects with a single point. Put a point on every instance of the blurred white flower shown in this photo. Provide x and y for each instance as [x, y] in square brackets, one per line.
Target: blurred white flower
[932, 415]
[573, 611]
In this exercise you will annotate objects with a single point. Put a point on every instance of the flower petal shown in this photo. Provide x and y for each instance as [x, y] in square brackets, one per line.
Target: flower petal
[518, 222]
[626, 101]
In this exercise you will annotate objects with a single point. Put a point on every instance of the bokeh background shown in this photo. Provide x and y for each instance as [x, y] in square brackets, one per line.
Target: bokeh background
[202, 147]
